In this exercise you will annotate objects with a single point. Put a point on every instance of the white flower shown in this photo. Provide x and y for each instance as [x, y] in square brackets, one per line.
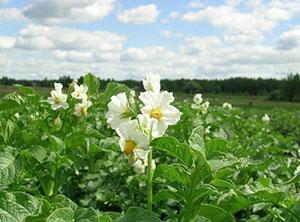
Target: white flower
[195, 106]
[17, 115]
[80, 109]
[74, 82]
[58, 99]
[227, 106]
[207, 130]
[133, 142]
[265, 118]
[80, 92]
[157, 107]
[139, 166]
[152, 83]
[198, 99]
[297, 171]
[118, 110]
[148, 125]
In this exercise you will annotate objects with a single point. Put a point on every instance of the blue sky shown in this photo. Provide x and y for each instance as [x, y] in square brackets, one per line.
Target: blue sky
[129, 38]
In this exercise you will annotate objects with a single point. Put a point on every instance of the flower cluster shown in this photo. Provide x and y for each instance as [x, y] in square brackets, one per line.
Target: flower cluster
[227, 106]
[199, 105]
[80, 93]
[266, 118]
[59, 100]
[137, 129]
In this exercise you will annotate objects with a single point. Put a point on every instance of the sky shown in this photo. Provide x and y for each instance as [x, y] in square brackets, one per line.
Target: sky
[126, 39]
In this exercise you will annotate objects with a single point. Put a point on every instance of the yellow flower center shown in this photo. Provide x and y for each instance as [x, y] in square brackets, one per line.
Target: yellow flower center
[57, 100]
[156, 113]
[84, 111]
[129, 146]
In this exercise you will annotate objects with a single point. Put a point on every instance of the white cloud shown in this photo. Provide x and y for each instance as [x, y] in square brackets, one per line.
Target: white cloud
[195, 4]
[252, 37]
[289, 40]
[166, 33]
[86, 57]
[3, 59]
[7, 42]
[68, 11]
[3, 1]
[146, 54]
[231, 19]
[7, 14]
[43, 37]
[140, 15]
[196, 45]
[233, 3]
[252, 3]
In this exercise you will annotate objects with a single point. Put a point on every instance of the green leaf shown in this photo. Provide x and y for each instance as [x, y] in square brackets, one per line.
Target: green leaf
[196, 139]
[61, 215]
[24, 89]
[172, 174]
[166, 195]
[57, 144]
[15, 207]
[92, 83]
[88, 215]
[215, 147]
[295, 179]
[11, 101]
[39, 153]
[9, 129]
[217, 164]
[202, 169]
[7, 168]
[112, 89]
[172, 147]
[138, 214]
[215, 213]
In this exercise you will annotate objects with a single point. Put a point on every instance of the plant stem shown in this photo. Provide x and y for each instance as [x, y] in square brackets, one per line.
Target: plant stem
[150, 176]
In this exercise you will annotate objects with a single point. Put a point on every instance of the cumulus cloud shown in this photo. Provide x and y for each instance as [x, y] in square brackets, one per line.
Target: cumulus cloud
[233, 3]
[230, 18]
[68, 11]
[146, 54]
[196, 45]
[7, 14]
[140, 15]
[246, 38]
[7, 42]
[38, 37]
[48, 50]
[195, 4]
[3, 59]
[252, 3]
[289, 40]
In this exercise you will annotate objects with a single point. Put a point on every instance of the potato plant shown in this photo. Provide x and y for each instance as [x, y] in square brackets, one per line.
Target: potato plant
[81, 155]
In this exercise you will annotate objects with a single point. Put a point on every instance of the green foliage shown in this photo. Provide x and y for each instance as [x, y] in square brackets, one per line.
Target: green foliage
[92, 83]
[241, 169]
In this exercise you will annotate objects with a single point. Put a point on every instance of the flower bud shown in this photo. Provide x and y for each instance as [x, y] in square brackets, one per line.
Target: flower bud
[57, 122]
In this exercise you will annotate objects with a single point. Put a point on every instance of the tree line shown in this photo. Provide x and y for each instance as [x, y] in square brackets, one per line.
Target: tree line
[276, 89]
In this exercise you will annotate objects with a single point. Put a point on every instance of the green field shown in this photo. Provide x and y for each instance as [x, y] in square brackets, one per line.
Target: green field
[214, 99]
[110, 156]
